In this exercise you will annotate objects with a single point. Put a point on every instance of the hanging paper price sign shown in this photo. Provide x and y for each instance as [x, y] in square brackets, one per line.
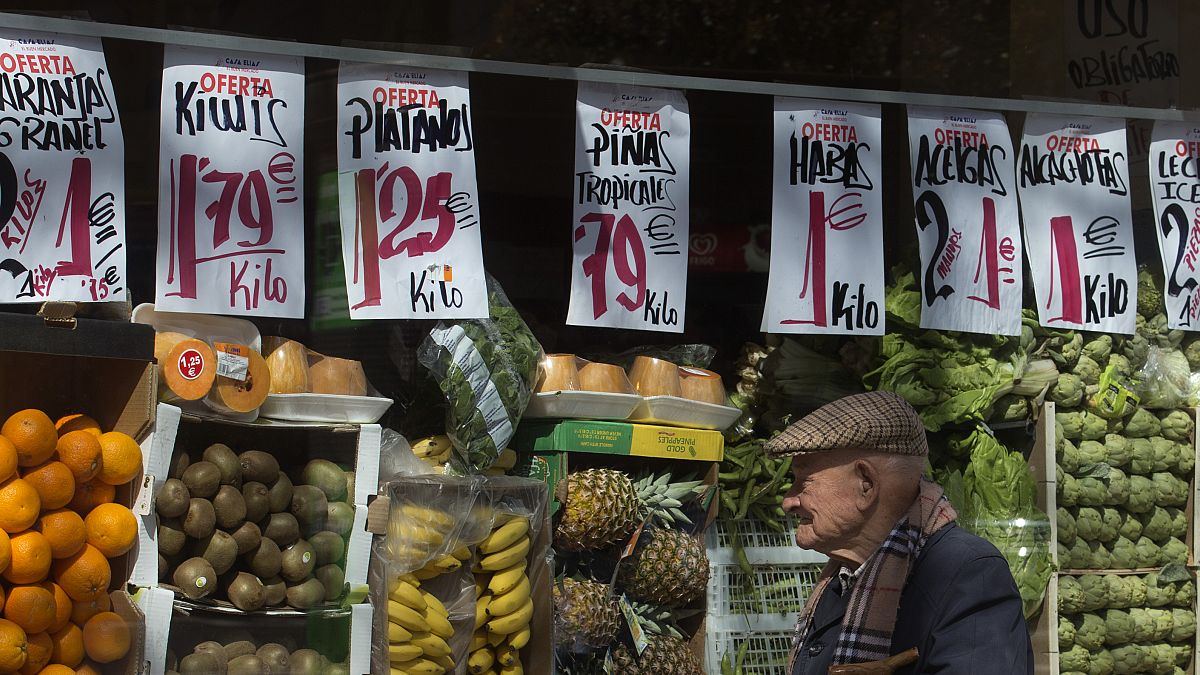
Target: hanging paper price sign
[630, 228]
[231, 183]
[826, 220]
[1073, 180]
[1175, 185]
[62, 171]
[968, 225]
[408, 199]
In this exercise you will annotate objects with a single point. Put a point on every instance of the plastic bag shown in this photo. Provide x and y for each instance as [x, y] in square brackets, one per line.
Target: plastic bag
[1163, 380]
[486, 370]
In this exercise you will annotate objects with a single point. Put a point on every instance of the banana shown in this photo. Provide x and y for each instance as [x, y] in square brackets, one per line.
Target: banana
[519, 639]
[481, 615]
[511, 623]
[514, 669]
[506, 558]
[419, 666]
[436, 605]
[495, 639]
[445, 564]
[434, 445]
[407, 594]
[431, 645]
[481, 584]
[504, 536]
[445, 662]
[407, 617]
[427, 573]
[404, 652]
[506, 460]
[439, 520]
[409, 578]
[478, 640]
[507, 579]
[506, 655]
[438, 624]
[510, 601]
[463, 553]
[398, 633]
[416, 535]
[481, 660]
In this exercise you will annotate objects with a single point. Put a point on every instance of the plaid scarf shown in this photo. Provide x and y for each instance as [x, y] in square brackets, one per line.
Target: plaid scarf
[871, 612]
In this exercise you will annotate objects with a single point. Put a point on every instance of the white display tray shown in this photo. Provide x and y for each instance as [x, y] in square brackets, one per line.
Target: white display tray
[681, 412]
[590, 405]
[325, 408]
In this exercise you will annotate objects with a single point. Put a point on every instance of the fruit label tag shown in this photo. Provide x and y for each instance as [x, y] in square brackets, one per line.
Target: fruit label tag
[609, 666]
[232, 361]
[145, 498]
[633, 540]
[635, 625]
[190, 364]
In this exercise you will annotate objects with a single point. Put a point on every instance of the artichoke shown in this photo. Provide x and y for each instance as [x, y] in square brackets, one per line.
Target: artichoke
[1177, 426]
[1089, 631]
[1143, 424]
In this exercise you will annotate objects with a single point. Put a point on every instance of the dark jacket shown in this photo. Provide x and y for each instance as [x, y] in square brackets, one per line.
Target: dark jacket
[960, 609]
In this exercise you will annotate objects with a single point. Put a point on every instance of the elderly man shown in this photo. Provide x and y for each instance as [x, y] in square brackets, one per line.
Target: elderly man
[901, 574]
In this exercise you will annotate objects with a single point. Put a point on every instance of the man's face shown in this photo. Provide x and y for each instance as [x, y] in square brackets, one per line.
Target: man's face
[823, 497]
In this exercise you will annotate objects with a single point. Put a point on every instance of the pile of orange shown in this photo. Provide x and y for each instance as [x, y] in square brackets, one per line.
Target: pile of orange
[59, 527]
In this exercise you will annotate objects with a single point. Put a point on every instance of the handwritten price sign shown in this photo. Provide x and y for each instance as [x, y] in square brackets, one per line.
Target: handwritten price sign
[968, 226]
[231, 184]
[1175, 185]
[1073, 180]
[631, 208]
[408, 199]
[62, 172]
[826, 220]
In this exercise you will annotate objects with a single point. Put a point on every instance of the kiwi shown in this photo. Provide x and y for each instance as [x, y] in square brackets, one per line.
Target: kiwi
[200, 663]
[305, 594]
[164, 568]
[274, 591]
[195, 577]
[219, 549]
[225, 460]
[247, 665]
[179, 463]
[327, 476]
[342, 668]
[349, 486]
[171, 536]
[309, 506]
[339, 518]
[282, 527]
[172, 499]
[212, 647]
[333, 578]
[247, 536]
[276, 657]
[306, 662]
[202, 479]
[265, 560]
[297, 561]
[240, 648]
[259, 466]
[230, 507]
[258, 503]
[280, 494]
[329, 547]
[201, 518]
[246, 592]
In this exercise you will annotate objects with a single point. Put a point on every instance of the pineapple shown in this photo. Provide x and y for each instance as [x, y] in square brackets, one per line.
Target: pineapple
[668, 568]
[665, 655]
[602, 506]
[585, 614]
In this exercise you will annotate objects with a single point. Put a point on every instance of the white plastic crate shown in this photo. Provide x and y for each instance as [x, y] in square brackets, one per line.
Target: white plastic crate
[766, 651]
[763, 545]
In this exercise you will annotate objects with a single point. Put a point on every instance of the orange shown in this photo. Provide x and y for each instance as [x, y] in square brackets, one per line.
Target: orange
[32, 434]
[77, 422]
[120, 458]
[90, 494]
[112, 529]
[62, 606]
[82, 610]
[8, 459]
[5, 550]
[80, 451]
[55, 669]
[30, 607]
[84, 575]
[64, 530]
[38, 649]
[30, 558]
[54, 482]
[68, 646]
[106, 637]
[13, 645]
[19, 505]
[87, 668]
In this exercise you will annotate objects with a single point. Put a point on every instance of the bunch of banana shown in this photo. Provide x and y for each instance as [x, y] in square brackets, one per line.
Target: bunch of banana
[503, 604]
[434, 451]
[419, 630]
[416, 532]
[507, 460]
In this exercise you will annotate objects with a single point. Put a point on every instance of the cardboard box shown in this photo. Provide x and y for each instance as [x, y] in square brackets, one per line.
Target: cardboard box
[621, 438]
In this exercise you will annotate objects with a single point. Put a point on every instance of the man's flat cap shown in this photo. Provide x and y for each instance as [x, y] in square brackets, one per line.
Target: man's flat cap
[879, 420]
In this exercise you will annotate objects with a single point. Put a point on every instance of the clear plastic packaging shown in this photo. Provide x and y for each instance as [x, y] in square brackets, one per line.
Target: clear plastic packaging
[1162, 383]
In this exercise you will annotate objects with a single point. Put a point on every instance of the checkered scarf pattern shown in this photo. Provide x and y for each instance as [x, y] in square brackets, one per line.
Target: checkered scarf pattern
[871, 612]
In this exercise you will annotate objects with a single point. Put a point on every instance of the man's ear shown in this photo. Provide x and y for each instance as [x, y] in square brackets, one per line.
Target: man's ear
[866, 484]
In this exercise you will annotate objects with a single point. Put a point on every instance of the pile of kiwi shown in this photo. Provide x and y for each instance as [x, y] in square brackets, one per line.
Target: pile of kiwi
[235, 527]
[246, 658]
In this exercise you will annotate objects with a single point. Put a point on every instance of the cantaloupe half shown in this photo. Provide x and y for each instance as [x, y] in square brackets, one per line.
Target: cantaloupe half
[187, 367]
[241, 395]
[330, 375]
[288, 362]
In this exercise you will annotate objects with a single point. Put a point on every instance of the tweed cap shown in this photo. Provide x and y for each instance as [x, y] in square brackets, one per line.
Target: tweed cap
[879, 420]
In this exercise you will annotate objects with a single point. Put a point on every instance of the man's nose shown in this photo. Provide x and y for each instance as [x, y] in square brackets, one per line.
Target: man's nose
[790, 501]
